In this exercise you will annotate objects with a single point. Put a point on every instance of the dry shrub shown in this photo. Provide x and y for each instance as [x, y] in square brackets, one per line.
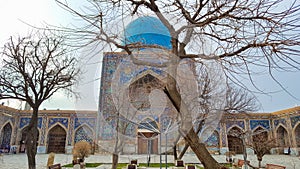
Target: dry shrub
[81, 150]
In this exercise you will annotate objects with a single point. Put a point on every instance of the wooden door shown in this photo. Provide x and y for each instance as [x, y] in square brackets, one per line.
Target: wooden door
[235, 144]
[56, 140]
[147, 143]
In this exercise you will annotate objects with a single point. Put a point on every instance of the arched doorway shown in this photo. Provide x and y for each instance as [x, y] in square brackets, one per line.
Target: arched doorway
[297, 135]
[83, 133]
[282, 137]
[234, 142]
[23, 138]
[6, 137]
[57, 140]
[147, 139]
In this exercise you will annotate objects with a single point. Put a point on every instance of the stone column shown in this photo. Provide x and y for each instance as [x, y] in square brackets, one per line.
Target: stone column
[70, 138]
[291, 134]
[223, 138]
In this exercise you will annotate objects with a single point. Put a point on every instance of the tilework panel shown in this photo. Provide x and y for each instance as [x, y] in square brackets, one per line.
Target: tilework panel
[8, 118]
[294, 120]
[213, 140]
[224, 138]
[107, 132]
[63, 121]
[71, 129]
[131, 130]
[279, 121]
[165, 123]
[24, 121]
[263, 123]
[91, 122]
[239, 123]
[43, 130]
[7, 132]
[83, 134]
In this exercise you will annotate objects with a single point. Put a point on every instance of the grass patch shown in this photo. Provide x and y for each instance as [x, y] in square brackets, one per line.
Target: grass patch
[121, 165]
[87, 165]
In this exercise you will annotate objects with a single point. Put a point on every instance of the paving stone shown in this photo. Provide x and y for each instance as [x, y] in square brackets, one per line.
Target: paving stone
[19, 161]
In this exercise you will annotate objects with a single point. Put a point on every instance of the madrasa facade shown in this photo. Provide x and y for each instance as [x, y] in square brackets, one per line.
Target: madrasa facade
[126, 114]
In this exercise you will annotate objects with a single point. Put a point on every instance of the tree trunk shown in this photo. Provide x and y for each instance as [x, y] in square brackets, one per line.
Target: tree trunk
[259, 158]
[186, 146]
[188, 132]
[115, 159]
[200, 150]
[31, 139]
[175, 152]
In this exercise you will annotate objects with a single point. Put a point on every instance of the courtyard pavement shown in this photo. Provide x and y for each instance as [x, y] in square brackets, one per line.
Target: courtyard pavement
[19, 161]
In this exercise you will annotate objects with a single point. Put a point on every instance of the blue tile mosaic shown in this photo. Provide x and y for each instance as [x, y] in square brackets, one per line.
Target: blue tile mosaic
[83, 134]
[295, 120]
[24, 121]
[91, 122]
[8, 118]
[213, 140]
[239, 123]
[63, 121]
[279, 121]
[263, 123]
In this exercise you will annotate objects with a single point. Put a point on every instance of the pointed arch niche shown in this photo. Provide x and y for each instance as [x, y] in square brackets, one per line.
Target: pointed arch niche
[234, 142]
[57, 139]
[83, 133]
[5, 137]
[282, 137]
[297, 134]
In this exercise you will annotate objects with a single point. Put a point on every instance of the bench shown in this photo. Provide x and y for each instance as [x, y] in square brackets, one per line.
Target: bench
[274, 166]
[55, 166]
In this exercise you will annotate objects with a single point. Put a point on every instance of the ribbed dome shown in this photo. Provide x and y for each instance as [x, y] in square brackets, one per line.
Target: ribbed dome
[149, 31]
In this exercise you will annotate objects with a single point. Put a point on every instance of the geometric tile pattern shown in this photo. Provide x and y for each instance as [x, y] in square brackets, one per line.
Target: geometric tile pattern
[42, 139]
[239, 123]
[263, 123]
[24, 121]
[6, 136]
[295, 120]
[91, 122]
[213, 140]
[83, 134]
[279, 121]
[63, 121]
[71, 130]
[107, 132]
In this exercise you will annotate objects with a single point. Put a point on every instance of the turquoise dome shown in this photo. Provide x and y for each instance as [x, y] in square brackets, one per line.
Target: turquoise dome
[149, 31]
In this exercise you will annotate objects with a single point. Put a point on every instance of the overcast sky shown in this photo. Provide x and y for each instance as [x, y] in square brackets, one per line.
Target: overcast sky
[38, 12]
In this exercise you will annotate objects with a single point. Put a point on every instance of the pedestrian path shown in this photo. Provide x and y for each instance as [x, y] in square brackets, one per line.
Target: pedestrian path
[19, 161]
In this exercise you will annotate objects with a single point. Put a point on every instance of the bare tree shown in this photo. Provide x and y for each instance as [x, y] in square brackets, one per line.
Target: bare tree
[33, 68]
[237, 101]
[262, 145]
[238, 35]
